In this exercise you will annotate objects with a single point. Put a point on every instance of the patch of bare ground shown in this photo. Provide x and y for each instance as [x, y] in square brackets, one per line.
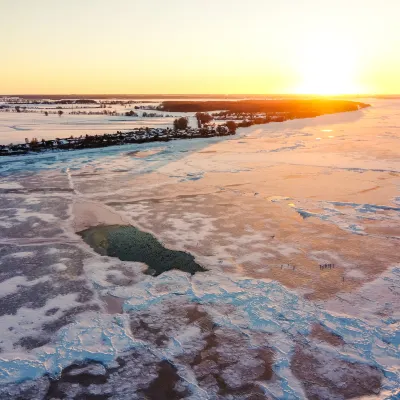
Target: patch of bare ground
[223, 361]
[164, 386]
[326, 377]
[113, 305]
[226, 367]
[138, 375]
[319, 332]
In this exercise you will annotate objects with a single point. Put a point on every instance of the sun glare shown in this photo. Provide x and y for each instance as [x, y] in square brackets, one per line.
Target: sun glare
[328, 66]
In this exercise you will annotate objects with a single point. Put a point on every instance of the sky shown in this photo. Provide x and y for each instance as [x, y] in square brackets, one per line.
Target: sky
[199, 46]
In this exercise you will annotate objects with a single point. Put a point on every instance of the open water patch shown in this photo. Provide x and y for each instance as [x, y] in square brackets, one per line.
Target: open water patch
[131, 244]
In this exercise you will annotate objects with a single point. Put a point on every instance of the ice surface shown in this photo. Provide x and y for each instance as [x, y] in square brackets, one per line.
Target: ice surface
[265, 321]
[256, 306]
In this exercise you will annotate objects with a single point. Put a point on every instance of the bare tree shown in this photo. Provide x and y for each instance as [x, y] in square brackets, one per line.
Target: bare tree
[181, 123]
[231, 125]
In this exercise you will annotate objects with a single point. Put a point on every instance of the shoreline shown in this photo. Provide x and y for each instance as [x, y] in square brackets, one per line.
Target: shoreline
[137, 136]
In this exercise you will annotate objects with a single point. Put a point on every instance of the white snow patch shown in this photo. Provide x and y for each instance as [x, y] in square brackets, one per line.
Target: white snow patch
[10, 185]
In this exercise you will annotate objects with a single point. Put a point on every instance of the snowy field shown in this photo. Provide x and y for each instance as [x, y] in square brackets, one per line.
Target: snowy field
[297, 225]
[15, 127]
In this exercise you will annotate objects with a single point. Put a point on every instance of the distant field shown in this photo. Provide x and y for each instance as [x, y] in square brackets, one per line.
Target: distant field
[295, 107]
[146, 96]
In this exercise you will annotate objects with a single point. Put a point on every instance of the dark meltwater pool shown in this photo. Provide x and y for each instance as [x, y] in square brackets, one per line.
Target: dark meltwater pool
[131, 244]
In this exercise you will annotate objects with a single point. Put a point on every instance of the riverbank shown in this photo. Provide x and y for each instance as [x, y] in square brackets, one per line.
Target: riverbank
[138, 135]
[235, 114]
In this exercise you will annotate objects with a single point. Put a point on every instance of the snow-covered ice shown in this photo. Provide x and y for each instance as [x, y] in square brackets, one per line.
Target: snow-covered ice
[299, 237]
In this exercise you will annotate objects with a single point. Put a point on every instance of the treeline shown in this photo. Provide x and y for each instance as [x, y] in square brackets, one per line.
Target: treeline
[294, 108]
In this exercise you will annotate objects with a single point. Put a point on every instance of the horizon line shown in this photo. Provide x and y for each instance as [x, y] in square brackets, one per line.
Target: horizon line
[199, 94]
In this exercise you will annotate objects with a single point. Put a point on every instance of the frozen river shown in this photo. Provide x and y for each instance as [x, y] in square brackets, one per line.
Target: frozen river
[292, 232]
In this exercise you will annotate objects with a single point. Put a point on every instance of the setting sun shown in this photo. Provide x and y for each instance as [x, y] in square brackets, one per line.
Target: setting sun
[328, 66]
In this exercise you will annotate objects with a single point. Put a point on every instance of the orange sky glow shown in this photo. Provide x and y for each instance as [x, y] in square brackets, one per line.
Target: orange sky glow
[225, 46]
